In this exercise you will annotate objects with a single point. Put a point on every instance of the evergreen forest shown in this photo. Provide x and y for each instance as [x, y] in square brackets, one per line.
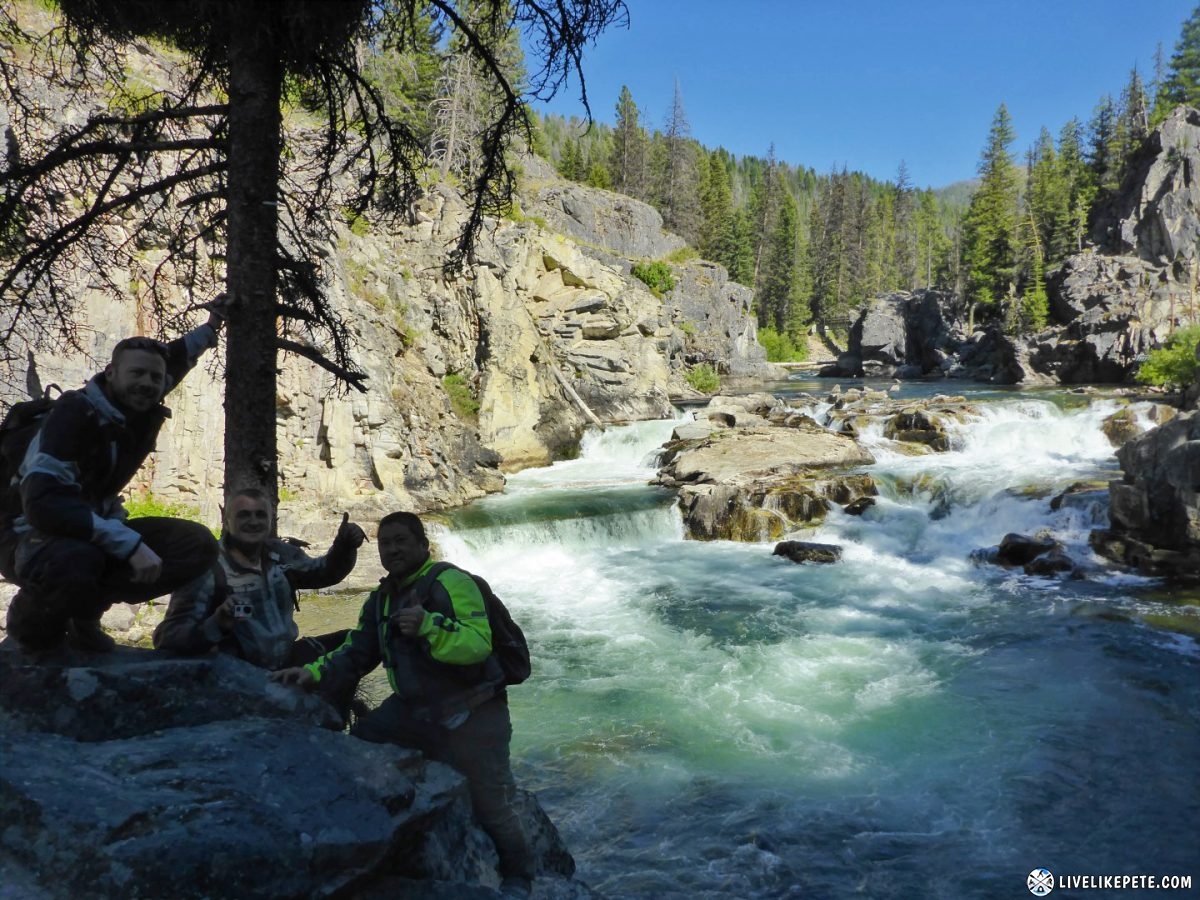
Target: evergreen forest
[816, 245]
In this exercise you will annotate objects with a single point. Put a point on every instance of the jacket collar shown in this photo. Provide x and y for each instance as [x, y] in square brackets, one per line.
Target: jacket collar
[108, 411]
[393, 585]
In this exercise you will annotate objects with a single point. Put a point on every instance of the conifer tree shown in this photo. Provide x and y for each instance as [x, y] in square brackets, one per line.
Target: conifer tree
[777, 293]
[1103, 153]
[598, 175]
[932, 242]
[827, 249]
[1182, 84]
[1080, 186]
[467, 95]
[763, 205]
[1135, 114]
[1034, 307]
[569, 163]
[741, 257]
[1048, 199]
[904, 247]
[716, 202]
[627, 163]
[678, 175]
[880, 245]
[990, 227]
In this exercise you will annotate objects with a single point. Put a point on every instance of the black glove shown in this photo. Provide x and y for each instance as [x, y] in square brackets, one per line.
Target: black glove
[350, 533]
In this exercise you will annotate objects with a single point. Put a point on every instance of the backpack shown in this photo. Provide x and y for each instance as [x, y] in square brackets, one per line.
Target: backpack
[17, 430]
[508, 641]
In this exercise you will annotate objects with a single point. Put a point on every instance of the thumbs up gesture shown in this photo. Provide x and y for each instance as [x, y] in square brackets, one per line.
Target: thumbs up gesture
[350, 533]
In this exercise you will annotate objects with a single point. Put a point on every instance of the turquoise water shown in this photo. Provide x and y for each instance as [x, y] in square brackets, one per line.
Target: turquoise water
[707, 720]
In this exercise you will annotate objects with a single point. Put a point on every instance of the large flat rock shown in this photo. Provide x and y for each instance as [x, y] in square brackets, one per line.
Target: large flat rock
[728, 456]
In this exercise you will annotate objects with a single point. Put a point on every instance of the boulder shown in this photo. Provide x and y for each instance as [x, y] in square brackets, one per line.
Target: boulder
[1019, 549]
[808, 551]
[902, 334]
[919, 426]
[134, 775]
[1154, 510]
[1056, 562]
[760, 481]
[764, 451]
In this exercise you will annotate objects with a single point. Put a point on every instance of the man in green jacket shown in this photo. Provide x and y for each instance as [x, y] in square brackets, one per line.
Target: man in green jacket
[433, 639]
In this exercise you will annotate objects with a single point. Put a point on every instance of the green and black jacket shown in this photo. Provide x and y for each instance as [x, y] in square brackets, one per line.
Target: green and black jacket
[450, 655]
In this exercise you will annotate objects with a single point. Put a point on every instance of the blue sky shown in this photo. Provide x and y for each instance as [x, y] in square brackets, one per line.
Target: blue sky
[868, 83]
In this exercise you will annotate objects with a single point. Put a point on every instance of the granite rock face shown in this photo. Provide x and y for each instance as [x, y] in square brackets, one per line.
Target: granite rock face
[1156, 214]
[1154, 510]
[469, 375]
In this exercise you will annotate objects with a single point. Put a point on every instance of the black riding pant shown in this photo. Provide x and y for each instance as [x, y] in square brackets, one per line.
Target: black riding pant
[64, 578]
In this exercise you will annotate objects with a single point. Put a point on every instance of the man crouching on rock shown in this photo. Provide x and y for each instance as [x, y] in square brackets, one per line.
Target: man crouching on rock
[70, 548]
[432, 637]
[244, 604]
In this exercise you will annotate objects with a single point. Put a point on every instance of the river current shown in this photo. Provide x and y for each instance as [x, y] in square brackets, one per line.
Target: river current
[706, 720]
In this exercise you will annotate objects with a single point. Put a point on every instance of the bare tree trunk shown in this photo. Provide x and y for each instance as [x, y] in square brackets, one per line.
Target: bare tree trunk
[254, 147]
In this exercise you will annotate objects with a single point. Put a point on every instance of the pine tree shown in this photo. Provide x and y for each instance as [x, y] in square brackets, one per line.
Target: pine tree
[678, 176]
[598, 175]
[933, 245]
[990, 227]
[467, 94]
[1132, 125]
[1035, 307]
[880, 245]
[1182, 84]
[1048, 199]
[763, 205]
[569, 163]
[1081, 190]
[777, 294]
[627, 163]
[1103, 146]
[716, 203]
[741, 259]
[827, 249]
[904, 263]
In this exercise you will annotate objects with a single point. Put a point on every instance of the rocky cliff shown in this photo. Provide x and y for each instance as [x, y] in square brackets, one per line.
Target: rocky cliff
[544, 335]
[1109, 304]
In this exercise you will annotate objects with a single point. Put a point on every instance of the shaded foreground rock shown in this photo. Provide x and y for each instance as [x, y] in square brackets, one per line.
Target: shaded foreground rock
[224, 797]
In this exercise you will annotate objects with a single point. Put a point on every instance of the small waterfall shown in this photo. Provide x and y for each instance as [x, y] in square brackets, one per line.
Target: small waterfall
[706, 720]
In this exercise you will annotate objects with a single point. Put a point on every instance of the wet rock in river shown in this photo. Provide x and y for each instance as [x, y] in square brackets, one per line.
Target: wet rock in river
[808, 551]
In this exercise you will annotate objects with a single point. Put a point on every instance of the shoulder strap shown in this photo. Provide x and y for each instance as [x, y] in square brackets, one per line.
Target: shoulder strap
[425, 582]
[220, 584]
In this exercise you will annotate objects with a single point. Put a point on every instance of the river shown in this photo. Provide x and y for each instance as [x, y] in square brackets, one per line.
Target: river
[706, 720]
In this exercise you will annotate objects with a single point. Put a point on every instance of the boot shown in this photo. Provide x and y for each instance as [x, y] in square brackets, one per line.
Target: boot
[30, 625]
[516, 886]
[89, 635]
